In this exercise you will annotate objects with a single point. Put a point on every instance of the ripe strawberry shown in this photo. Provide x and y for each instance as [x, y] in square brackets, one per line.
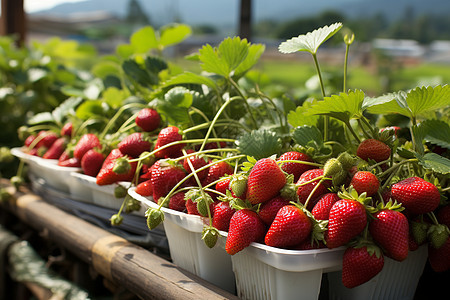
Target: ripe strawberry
[177, 202]
[269, 209]
[164, 177]
[145, 188]
[70, 162]
[440, 258]
[134, 144]
[390, 230]
[373, 149]
[416, 195]
[84, 144]
[347, 219]
[304, 190]
[308, 245]
[197, 162]
[29, 140]
[359, 266]
[223, 185]
[264, 181]
[46, 139]
[166, 136]
[107, 176]
[321, 211]
[245, 227]
[56, 149]
[364, 181]
[293, 168]
[290, 227]
[191, 207]
[92, 162]
[216, 171]
[222, 215]
[148, 119]
[443, 215]
[67, 129]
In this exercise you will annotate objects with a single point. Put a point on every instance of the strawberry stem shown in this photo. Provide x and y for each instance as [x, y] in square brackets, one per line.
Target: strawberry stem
[116, 116]
[300, 162]
[314, 190]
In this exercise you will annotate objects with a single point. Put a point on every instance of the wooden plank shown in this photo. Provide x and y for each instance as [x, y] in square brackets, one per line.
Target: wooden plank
[13, 19]
[135, 268]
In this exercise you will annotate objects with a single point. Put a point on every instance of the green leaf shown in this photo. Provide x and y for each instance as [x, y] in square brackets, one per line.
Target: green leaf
[179, 96]
[125, 50]
[66, 108]
[254, 53]
[144, 40]
[114, 97]
[105, 68]
[155, 64]
[42, 117]
[311, 41]
[141, 76]
[233, 51]
[342, 107]
[423, 99]
[299, 118]
[173, 34]
[308, 136]
[437, 132]
[190, 78]
[259, 143]
[90, 109]
[435, 162]
[419, 132]
[212, 62]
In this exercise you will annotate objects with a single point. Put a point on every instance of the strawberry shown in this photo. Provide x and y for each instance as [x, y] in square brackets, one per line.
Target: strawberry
[321, 211]
[364, 181]
[166, 136]
[107, 176]
[70, 162]
[223, 185]
[416, 195]
[191, 207]
[222, 215]
[293, 168]
[46, 139]
[390, 230]
[164, 176]
[92, 162]
[56, 149]
[443, 215]
[373, 149]
[265, 181]
[290, 227]
[216, 171]
[134, 144]
[197, 162]
[347, 219]
[439, 259]
[84, 144]
[29, 140]
[145, 188]
[359, 266]
[308, 245]
[269, 209]
[67, 129]
[148, 119]
[304, 190]
[177, 202]
[245, 227]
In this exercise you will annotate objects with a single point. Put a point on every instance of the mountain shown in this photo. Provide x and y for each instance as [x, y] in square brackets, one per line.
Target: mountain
[226, 12]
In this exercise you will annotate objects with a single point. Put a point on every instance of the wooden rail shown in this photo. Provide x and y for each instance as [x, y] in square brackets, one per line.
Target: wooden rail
[135, 268]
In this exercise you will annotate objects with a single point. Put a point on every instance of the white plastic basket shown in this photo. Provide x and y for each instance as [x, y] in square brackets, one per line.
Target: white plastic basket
[397, 280]
[264, 272]
[188, 250]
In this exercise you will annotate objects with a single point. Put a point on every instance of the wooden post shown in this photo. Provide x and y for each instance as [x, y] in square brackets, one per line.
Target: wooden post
[245, 20]
[13, 20]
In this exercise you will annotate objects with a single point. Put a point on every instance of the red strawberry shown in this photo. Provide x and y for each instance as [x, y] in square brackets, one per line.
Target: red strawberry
[164, 177]
[390, 230]
[222, 215]
[359, 266]
[293, 168]
[92, 162]
[373, 149]
[56, 150]
[166, 136]
[440, 258]
[70, 162]
[416, 195]
[443, 215]
[308, 245]
[269, 209]
[245, 227]
[84, 144]
[148, 119]
[134, 144]
[67, 129]
[304, 190]
[347, 220]
[145, 188]
[191, 207]
[223, 185]
[177, 202]
[321, 211]
[364, 181]
[265, 181]
[46, 139]
[197, 162]
[29, 140]
[290, 227]
[107, 176]
[216, 171]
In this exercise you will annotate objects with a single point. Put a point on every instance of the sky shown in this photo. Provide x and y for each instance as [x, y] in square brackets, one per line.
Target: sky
[37, 5]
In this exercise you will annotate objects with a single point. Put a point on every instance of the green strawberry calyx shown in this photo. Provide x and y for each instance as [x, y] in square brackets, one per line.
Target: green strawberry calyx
[154, 217]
